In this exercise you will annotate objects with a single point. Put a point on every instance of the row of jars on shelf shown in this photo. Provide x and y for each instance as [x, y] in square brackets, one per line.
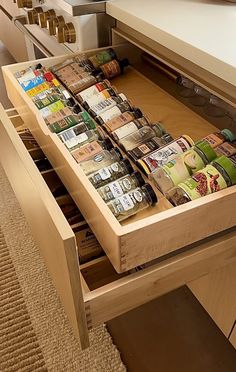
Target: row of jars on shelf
[104, 165]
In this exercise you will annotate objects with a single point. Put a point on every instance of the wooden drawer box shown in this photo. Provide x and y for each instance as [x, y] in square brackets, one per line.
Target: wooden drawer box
[93, 292]
[156, 231]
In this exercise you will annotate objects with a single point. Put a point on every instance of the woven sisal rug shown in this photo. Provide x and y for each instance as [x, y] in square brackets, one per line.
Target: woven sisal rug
[35, 334]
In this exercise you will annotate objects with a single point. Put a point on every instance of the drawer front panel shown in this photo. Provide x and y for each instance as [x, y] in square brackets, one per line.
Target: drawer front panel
[50, 229]
[149, 236]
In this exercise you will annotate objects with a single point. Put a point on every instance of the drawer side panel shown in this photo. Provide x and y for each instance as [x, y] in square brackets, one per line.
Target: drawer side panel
[210, 215]
[51, 231]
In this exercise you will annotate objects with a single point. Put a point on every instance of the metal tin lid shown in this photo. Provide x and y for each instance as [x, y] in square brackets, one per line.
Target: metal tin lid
[158, 129]
[112, 53]
[229, 136]
[118, 153]
[107, 143]
[124, 63]
[122, 96]
[228, 166]
[167, 138]
[70, 102]
[137, 113]
[151, 194]
[206, 150]
[137, 175]
[128, 165]
[77, 109]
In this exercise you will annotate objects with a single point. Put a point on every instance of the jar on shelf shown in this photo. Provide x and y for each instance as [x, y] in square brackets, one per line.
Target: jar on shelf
[100, 160]
[110, 173]
[133, 202]
[121, 186]
[183, 166]
[218, 175]
[141, 135]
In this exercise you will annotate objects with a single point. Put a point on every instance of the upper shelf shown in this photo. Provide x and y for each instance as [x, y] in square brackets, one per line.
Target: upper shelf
[82, 7]
[199, 30]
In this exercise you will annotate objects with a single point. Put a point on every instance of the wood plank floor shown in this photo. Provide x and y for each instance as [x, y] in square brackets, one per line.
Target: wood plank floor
[172, 334]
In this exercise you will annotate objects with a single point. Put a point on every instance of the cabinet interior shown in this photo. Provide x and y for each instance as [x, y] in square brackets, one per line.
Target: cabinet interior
[157, 105]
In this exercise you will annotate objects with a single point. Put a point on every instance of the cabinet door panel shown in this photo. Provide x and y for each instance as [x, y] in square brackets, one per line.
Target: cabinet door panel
[217, 293]
[13, 39]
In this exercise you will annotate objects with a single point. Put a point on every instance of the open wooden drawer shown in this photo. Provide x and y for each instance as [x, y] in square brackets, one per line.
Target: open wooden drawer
[93, 292]
[156, 231]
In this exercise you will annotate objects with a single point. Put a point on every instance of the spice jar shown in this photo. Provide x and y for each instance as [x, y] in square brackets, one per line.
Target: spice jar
[103, 106]
[100, 97]
[121, 186]
[80, 84]
[96, 60]
[82, 138]
[100, 160]
[93, 90]
[102, 57]
[110, 173]
[218, 175]
[114, 112]
[217, 138]
[183, 166]
[141, 135]
[161, 156]
[129, 128]
[226, 148]
[134, 201]
[65, 122]
[122, 119]
[91, 149]
[149, 146]
[112, 68]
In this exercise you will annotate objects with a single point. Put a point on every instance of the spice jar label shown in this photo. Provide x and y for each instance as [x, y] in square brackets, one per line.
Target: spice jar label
[125, 130]
[126, 202]
[183, 166]
[76, 140]
[86, 151]
[160, 157]
[117, 122]
[115, 189]
[110, 114]
[202, 183]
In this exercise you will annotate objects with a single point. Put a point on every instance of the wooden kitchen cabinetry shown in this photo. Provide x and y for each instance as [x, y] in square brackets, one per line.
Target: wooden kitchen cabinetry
[13, 39]
[177, 245]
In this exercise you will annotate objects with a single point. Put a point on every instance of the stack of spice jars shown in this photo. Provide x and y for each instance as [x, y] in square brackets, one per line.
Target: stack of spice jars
[207, 167]
[97, 107]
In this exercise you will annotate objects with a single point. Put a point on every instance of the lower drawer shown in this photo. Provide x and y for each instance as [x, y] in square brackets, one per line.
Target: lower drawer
[156, 231]
[90, 290]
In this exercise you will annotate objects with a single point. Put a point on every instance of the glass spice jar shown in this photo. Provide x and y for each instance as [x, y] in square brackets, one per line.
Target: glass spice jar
[149, 146]
[183, 166]
[218, 175]
[114, 112]
[93, 90]
[110, 173]
[100, 160]
[129, 128]
[122, 119]
[100, 108]
[159, 157]
[121, 186]
[141, 135]
[134, 201]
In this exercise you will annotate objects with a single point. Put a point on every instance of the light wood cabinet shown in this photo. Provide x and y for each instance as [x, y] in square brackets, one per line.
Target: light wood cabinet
[13, 39]
[95, 292]
[217, 293]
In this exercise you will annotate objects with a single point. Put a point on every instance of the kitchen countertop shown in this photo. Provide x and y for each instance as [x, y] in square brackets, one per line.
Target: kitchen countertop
[201, 31]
